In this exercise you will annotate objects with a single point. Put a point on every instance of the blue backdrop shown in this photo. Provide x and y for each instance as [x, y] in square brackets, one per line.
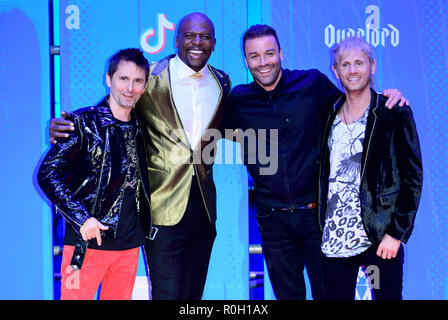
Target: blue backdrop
[410, 41]
[25, 220]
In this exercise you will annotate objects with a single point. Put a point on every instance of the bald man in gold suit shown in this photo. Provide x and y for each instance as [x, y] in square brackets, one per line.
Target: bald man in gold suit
[185, 97]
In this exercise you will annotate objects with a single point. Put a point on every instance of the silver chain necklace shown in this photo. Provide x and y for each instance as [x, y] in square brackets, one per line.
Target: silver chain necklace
[346, 123]
[354, 121]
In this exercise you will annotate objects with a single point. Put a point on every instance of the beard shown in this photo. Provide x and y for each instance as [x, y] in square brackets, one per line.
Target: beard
[268, 79]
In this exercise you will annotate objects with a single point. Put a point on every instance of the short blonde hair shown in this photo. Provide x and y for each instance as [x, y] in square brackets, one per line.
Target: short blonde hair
[349, 44]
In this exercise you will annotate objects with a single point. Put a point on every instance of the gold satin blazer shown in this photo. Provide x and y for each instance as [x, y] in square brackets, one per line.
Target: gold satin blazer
[169, 155]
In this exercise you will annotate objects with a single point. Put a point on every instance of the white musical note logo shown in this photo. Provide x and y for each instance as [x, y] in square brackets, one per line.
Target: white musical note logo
[163, 24]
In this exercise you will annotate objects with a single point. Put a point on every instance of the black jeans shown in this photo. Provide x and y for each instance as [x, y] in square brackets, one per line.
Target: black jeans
[179, 256]
[385, 275]
[291, 241]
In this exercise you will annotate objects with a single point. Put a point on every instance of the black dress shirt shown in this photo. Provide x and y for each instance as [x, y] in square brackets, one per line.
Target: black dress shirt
[295, 109]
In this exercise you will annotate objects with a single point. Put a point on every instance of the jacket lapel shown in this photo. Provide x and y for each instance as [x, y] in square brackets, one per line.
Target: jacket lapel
[106, 118]
[370, 130]
[330, 119]
[162, 96]
[160, 79]
[224, 89]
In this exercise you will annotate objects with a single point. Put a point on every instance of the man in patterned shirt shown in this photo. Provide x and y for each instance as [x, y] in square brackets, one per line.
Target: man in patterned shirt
[370, 181]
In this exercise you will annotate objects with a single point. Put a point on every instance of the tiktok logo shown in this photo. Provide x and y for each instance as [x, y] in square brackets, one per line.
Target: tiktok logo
[163, 24]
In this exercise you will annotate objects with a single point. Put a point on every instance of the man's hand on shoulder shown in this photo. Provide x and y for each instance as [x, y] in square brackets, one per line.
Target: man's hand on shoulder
[395, 97]
[59, 128]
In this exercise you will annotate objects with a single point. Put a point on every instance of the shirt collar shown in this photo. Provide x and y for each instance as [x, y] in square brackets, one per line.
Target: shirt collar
[183, 71]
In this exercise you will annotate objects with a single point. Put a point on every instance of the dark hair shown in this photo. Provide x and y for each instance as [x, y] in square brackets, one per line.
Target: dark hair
[130, 54]
[257, 31]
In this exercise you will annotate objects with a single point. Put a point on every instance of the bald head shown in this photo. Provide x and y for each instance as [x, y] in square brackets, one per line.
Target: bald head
[195, 16]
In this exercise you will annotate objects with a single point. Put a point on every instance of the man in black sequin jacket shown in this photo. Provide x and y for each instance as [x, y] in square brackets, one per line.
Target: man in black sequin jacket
[97, 179]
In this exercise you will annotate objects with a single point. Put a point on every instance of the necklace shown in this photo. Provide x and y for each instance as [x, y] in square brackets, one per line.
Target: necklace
[346, 123]
[353, 121]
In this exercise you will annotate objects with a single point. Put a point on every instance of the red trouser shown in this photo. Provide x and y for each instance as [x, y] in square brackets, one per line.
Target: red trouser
[115, 270]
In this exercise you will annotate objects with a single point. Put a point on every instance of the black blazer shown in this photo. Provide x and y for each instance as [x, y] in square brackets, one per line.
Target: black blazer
[391, 171]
